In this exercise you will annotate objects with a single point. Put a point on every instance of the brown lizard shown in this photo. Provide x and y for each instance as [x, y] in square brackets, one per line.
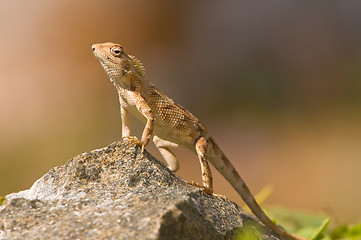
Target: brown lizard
[171, 124]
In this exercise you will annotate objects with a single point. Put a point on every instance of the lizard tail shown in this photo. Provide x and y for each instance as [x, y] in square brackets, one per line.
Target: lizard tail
[225, 167]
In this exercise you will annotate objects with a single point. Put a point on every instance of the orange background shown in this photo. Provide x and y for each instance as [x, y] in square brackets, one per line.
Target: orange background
[277, 83]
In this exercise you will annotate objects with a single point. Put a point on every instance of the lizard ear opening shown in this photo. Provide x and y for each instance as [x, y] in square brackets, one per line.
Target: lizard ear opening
[138, 65]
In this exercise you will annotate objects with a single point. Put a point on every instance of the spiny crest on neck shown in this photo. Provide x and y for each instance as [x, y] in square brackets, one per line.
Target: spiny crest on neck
[139, 68]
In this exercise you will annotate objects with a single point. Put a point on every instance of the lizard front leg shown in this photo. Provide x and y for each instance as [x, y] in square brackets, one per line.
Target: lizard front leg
[142, 107]
[163, 147]
[124, 114]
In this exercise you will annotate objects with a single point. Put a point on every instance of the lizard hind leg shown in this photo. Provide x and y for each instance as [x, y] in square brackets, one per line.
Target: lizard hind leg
[201, 149]
[163, 147]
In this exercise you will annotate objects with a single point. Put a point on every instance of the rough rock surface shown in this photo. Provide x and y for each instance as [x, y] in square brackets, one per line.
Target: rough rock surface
[120, 193]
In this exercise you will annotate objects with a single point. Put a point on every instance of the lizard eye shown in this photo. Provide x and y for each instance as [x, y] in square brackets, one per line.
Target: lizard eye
[116, 51]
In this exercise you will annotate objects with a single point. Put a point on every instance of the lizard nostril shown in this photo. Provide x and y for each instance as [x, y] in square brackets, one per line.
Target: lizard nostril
[93, 48]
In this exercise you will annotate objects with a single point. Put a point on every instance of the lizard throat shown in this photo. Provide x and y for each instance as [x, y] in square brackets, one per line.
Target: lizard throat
[115, 75]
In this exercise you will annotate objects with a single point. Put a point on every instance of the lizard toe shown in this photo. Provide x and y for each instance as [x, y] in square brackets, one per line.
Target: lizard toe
[131, 141]
[207, 190]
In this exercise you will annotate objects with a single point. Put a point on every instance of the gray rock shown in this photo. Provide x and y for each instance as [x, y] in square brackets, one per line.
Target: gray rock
[120, 193]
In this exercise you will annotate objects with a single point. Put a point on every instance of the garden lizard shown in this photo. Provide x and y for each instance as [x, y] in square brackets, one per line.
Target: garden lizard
[171, 124]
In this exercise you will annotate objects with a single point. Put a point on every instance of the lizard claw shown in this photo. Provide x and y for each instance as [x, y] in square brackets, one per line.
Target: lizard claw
[207, 190]
[132, 140]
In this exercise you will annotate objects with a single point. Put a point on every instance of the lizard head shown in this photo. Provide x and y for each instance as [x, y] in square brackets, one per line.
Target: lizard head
[117, 64]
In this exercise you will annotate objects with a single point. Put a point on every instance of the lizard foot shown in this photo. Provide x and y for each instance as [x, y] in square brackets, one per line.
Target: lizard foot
[131, 141]
[205, 189]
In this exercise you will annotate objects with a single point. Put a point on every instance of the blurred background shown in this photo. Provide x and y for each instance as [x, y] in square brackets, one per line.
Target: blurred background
[277, 83]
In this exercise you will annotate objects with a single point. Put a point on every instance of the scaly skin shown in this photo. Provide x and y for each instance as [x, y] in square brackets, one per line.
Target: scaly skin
[171, 124]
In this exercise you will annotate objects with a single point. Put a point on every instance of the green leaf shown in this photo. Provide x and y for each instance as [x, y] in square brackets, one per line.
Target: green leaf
[352, 232]
[249, 231]
[319, 233]
[308, 225]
